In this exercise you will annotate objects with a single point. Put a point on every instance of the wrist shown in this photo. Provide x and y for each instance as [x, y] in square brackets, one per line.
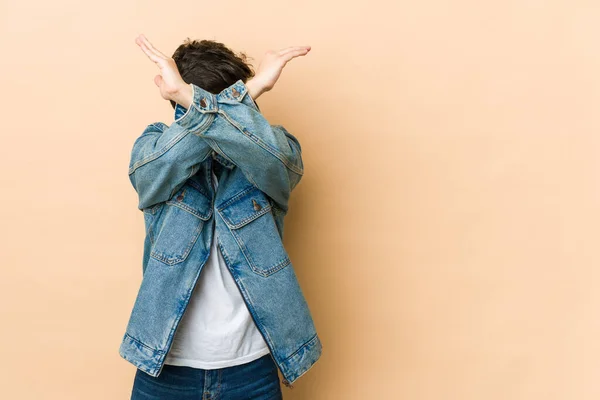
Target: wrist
[184, 95]
[255, 88]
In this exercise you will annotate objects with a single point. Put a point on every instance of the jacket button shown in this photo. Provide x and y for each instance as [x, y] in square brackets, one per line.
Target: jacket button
[235, 92]
[203, 102]
[256, 205]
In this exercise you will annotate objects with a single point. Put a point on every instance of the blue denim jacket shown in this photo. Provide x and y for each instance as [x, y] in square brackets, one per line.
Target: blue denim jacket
[170, 170]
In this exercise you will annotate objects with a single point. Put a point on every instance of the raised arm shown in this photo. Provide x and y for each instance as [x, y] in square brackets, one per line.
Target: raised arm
[164, 157]
[269, 156]
[230, 123]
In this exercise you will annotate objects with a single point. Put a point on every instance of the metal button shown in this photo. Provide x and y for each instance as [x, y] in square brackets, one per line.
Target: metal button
[203, 102]
[256, 205]
[235, 92]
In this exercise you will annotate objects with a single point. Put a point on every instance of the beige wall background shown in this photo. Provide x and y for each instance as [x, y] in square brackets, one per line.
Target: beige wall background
[445, 232]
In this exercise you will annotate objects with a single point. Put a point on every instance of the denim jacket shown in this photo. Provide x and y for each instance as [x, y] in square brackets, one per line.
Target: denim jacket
[170, 170]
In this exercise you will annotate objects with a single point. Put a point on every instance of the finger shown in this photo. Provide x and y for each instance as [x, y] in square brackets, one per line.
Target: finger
[149, 53]
[294, 53]
[293, 48]
[152, 48]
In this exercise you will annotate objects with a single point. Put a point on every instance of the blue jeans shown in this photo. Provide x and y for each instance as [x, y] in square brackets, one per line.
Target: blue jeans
[256, 380]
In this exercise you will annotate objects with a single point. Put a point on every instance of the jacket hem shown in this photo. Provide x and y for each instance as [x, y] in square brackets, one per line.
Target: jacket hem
[143, 357]
[151, 360]
[305, 357]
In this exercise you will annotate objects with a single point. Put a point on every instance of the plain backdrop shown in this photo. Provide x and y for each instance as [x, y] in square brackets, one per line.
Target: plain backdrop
[446, 230]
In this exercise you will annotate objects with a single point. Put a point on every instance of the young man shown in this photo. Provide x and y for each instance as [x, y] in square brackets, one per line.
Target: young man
[219, 310]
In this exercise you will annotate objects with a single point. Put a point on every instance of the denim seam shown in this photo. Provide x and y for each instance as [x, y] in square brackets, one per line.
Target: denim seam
[170, 144]
[235, 197]
[261, 143]
[156, 154]
[270, 270]
[143, 344]
[254, 104]
[249, 303]
[181, 310]
[159, 256]
[250, 306]
[223, 154]
[248, 219]
[301, 347]
[193, 170]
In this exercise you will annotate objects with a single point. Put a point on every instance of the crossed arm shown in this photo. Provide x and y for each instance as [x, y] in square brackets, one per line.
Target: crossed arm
[164, 157]
[230, 123]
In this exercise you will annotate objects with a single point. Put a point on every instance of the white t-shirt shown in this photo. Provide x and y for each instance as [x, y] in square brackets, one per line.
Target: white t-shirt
[216, 329]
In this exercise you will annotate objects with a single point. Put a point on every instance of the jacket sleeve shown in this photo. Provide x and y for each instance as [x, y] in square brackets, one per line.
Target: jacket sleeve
[164, 157]
[269, 156]
[229, 123]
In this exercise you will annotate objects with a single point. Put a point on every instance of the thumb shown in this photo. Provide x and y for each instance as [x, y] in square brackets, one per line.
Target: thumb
[158, 80]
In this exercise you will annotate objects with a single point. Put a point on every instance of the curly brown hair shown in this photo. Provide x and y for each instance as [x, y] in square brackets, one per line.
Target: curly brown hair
[211, 65]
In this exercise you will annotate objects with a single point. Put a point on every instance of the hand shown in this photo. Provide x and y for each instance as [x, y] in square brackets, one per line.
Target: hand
[270, 69]
[169, 81]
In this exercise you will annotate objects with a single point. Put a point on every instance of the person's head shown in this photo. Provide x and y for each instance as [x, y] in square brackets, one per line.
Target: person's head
[210, 65]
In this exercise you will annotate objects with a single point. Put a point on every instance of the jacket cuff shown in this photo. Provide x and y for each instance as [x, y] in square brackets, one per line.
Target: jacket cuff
[194, 117]
[239, 92]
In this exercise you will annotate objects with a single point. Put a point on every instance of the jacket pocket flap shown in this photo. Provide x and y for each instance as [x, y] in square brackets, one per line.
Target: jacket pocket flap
[244, 207]
[193, 201]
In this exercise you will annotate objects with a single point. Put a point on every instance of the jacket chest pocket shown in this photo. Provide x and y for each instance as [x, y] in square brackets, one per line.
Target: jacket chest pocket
[179, 225]
[249, 217]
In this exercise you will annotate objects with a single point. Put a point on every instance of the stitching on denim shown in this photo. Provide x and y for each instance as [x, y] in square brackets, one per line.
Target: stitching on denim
[235, 197]
[182, 307]
[267, 271]
[166, 147]
[306, 344]
[222, 154]
[262, 144]
[191, 210]
[249, 302]
[139, 364]
[209, 119]
[250, 306]
[248, 219]
[178, 259]
[264, 271]
[159, 153]
[218, 390]
[149, 231]
[198, 187]
[187, 111]
[254, 103]
[143, 344]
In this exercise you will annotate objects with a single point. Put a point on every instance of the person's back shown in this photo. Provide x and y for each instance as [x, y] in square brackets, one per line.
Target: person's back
[217, 349]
